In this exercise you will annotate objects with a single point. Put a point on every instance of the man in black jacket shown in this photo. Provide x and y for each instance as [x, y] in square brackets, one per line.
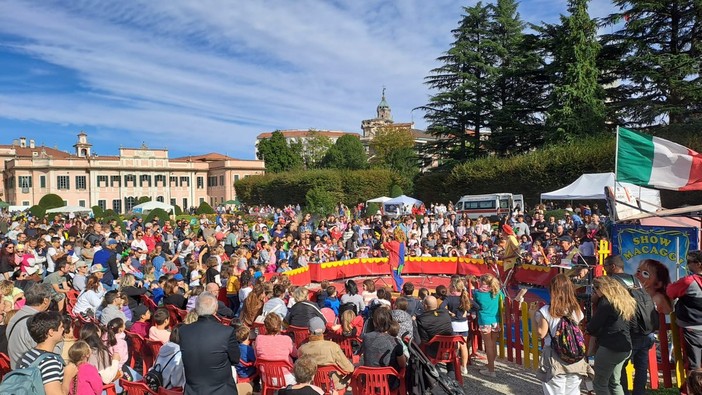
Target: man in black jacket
[209, 350]
[433, 321]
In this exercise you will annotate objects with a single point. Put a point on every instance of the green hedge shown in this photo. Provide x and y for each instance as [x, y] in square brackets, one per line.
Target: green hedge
[352, 186]
[543, 170]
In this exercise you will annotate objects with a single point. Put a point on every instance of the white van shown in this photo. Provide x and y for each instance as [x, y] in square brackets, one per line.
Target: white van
[492, 206]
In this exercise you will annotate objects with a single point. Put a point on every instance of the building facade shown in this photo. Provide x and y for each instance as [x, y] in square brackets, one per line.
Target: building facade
[117, 182]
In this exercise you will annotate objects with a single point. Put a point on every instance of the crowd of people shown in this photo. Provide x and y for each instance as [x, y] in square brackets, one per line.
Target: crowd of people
[227, 275]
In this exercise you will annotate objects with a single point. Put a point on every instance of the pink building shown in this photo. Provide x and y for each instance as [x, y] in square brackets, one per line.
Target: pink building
[116, 182]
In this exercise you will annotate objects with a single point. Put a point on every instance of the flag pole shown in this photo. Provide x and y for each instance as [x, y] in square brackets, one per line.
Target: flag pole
[616, 158]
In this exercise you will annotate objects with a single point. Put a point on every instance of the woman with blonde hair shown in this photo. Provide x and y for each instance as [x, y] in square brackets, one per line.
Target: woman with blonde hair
[559, 378]
[487, 297]
[610, 325]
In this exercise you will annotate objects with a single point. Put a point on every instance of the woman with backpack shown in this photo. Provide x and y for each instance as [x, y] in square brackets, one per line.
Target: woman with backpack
[560, 377]
[610, 325]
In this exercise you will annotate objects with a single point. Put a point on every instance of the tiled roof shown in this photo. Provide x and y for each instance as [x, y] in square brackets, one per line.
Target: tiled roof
[212, 156]
[303, 133]
[26, 152]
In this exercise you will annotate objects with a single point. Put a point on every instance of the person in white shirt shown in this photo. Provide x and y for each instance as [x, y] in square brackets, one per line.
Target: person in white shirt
[53, 254]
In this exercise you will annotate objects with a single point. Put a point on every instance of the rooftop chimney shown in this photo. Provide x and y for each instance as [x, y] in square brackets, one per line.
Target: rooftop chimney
[31, 143]
[15, 142]
[23, 142]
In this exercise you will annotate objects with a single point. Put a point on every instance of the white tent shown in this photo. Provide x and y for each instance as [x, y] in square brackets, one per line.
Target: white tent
[69, 210]
[153, 205]
[13, 209]
[381, 199]
[400, 205]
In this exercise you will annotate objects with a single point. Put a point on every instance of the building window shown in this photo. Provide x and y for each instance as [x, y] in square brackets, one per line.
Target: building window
[117, 205]
[63, 182]
[102, 204]
[185, 204]
[80, 182]
[160, 178]
[81, 203]
[236, 177]
[129, 203]
[159, 199]
[221, 180]
[173, 181]
[129, 178]
[25, 203]
[116, 180]
[25, 181]
[185, 181]
[102, 181]
[144, 178]
[42, 181]
[200, 182]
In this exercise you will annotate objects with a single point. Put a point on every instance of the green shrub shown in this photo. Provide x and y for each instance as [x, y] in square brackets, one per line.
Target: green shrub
[320, 201]
[159, 212]
[205, 208]
[372, 208]
[177, 210]
[51, 201]
[38, 211]
[143, 199]
[395, 191]
[98, 212]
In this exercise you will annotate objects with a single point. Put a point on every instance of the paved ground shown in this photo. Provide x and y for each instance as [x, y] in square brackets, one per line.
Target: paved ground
[511, 379]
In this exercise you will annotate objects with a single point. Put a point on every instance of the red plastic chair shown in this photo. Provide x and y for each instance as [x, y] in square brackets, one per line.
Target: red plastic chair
[109, 389]
[446, 352]
[150, 304]
[150, 352]
[135, 388]
[249, 379]
[323, 379]
[176, 315]
[367, 380]
[4, 365]
[172, 391]
[272, 374]
[300, 334]
[260, 328]
[346, 344]
[136, 350]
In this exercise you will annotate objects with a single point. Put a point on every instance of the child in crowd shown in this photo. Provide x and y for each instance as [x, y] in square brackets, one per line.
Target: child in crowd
[115, 339]
[368, 291]
[332, 301]
[157, 289]
[194, 271]
[322, 294]
[160, 330]
[12, 297]
[141, 316]
[80, 376]
[487, 297]
[233, 287]
[246, 352]
[194, 292]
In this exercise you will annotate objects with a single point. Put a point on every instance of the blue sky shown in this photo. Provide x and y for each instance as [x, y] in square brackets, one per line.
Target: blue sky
[209, 75]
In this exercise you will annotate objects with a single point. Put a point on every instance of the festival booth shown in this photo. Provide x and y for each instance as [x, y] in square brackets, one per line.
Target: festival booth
[69, 210]
[401, 205]
[146, 207]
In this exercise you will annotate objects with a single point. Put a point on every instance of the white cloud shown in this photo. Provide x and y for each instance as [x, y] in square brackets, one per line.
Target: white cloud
[227, 70]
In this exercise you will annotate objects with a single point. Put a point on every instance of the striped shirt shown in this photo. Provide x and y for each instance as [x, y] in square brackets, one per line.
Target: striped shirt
[51, 367]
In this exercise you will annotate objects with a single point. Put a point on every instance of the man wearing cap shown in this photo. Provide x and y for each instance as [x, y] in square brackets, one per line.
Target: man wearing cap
[568, 250]
[81, 276]
[326, 352]
[107, 258]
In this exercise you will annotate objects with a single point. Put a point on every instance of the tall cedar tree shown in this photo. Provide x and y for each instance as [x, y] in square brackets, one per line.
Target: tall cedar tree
[578, 108]
[655, 55]
[278, 155]
[346, 153]
[464, 85]
[515, 124]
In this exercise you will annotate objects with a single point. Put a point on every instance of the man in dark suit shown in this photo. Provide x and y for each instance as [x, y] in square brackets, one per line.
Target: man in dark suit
[209, 350]
[433, 321]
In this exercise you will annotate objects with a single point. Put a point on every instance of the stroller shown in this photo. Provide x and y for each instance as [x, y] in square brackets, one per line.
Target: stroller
[423, 378]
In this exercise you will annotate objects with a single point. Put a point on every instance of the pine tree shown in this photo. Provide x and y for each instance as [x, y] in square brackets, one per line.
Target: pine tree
[655, 55]
[515, 125]
[578, 98]
[463, 102]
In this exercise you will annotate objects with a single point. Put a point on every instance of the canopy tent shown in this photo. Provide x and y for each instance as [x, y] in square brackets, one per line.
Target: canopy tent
[381, 199]
[13, 209]
[69, 210]
[152, 205]
[400, 205]
[591, 187]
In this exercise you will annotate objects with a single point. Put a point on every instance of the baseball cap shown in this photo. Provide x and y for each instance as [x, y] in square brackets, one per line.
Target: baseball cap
[112, 242]
[138, 312]
[178, 277]
[80, 264]
[317, 326]
[566, 238]
[97, 268]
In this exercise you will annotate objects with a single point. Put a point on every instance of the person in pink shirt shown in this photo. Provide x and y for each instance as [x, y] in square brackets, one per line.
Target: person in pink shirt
[159, 331]
[115, 339]
[276, 347]
[80, 377]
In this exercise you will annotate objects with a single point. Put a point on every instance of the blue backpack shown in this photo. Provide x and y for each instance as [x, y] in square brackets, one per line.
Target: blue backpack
[25, 381]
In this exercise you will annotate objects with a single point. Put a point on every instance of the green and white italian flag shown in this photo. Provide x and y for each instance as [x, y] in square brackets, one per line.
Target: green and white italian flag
[647, 160]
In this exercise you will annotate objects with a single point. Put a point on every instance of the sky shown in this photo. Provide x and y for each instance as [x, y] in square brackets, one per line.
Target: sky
[199, 76]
